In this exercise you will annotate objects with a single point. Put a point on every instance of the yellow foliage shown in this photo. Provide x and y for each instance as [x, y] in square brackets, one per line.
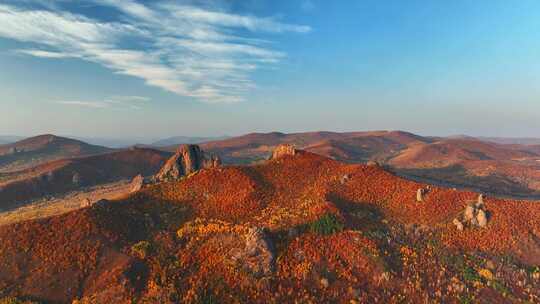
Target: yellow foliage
[486, 274]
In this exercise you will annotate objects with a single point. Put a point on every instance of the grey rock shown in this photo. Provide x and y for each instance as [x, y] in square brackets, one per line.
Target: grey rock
[481, 218]
[283, 150]
[137, 183]
[76, 179]
[420, 195]
[188, 159]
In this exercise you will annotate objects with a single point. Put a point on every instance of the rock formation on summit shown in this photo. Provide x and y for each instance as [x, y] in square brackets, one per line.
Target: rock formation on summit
[282, 150]
[188, 159]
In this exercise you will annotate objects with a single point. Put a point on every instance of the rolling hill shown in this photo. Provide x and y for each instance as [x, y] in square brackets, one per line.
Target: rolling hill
[61, 176]
[43, 148]
[354, 146]
[301, 228]
[458, 161]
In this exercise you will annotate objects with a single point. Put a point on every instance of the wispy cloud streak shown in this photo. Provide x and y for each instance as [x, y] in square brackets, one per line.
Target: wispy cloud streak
[187, 50]
[119, 102]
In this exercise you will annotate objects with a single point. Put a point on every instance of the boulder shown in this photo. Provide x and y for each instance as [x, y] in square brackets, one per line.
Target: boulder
[137, 183]
[469, 213]
[480, 201]
[188, 159]
[86, 203]
[481, 218]
[373, 163]
[474, 215]
[257, 256]
[458, 224]
[283, 150]
[344, 178]
[50, 176]
[420, 195]
[76, 179]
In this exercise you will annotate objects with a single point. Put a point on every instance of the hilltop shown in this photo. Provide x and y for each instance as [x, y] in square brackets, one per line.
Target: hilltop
[357, 146]
[459, 161]
[36, 150]
[299, 227]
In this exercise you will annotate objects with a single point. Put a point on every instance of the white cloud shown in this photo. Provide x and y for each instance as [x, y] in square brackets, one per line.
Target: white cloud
[45, 54]
[229, 20]
[186, 50]
[118, 102]
[89, 104]
[135, 99]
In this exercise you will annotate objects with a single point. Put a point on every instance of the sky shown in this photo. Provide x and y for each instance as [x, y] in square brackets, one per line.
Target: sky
[153, 69]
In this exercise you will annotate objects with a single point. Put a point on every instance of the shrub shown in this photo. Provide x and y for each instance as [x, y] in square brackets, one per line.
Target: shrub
[141, 249]
[13, 300]
[326, 224]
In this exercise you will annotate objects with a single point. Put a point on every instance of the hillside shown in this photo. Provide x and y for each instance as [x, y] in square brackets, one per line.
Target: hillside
[448, 152]
[17, 188]
[357, 146]
[460, 161]
[511, 170]
[44, 148]
[268, 234]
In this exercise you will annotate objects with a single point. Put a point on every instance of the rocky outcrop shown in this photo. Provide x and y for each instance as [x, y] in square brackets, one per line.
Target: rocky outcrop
[76, 179]
[188, 159]
[86, 203]
[246, 248]
[474, 215]
[283, 150]
[421, 193]
[137, 183]
[373, 163]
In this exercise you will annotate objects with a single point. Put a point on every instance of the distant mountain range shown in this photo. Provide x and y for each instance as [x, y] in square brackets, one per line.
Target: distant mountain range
[178, 140]
[504, 168]
[512, 140]
[9, 139]
[511, 169]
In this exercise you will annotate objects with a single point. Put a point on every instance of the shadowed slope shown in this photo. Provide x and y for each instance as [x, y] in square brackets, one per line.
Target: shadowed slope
[71, 174]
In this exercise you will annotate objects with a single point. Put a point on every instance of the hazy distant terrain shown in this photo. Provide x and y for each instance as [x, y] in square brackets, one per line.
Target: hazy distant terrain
[177, 140]
[512, 141]
[9, 139]
[509, 169]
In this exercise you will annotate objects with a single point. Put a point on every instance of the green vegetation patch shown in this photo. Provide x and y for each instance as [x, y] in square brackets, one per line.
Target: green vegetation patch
[326, 225]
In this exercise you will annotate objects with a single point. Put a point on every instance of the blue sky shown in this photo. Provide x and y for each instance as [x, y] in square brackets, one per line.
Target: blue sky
[151, 69]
